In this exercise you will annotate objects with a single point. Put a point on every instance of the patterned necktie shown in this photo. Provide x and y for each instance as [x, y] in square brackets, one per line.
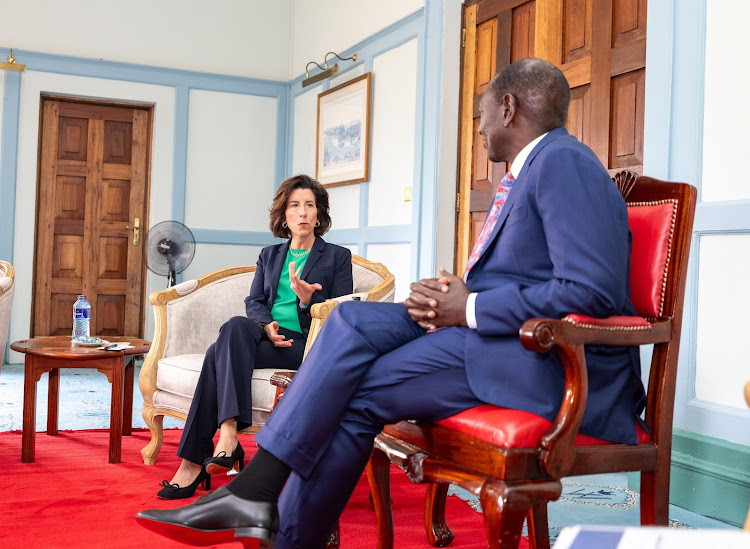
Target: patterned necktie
[503, 189]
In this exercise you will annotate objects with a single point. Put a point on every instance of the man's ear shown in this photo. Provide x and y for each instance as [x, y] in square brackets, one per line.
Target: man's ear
[508, 109]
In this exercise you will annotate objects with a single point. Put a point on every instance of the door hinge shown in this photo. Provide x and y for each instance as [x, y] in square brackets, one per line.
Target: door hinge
[458, 202]
[463, 38]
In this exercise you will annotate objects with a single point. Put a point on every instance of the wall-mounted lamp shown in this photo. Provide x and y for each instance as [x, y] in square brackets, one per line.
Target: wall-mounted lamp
[325, 71]
[11, 64]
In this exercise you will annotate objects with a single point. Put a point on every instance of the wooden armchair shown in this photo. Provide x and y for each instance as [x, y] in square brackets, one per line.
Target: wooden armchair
[188, 317]
[7, 285]
[512, 460]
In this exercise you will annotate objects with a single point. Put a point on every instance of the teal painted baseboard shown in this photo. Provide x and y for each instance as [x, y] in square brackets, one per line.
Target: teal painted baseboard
[710, 476]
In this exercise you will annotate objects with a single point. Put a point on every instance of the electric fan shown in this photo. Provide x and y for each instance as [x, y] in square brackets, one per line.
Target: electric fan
[168, 249]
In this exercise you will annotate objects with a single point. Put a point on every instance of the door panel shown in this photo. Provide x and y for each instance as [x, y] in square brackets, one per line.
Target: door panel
[628, 104]
[522, 33]
[92, 187]
[576, 29]
[486, 54]
[600, 45]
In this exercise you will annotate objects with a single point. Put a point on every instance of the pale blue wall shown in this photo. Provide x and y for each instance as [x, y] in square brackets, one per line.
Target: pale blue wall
[673, 150]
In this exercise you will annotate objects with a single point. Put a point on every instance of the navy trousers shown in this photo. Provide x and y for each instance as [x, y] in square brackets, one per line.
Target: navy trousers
[370, 366]
[223, 389]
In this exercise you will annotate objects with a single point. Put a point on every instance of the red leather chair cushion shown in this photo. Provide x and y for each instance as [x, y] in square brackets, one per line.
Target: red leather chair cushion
[652, 225]
[513, 428]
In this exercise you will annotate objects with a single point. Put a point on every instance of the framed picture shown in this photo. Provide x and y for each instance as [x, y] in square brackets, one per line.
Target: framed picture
[343, 138]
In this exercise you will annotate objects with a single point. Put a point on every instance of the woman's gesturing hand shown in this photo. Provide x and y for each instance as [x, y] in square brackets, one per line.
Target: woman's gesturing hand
[303, 290]
[272, 329]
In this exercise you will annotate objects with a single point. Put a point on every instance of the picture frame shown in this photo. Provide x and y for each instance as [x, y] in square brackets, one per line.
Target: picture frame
[342, 154]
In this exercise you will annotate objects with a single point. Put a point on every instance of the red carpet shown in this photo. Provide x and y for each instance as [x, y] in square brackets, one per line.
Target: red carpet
[71, 497]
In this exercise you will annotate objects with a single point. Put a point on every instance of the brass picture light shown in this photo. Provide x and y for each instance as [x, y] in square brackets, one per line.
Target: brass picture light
[325, 71]
[11, 64]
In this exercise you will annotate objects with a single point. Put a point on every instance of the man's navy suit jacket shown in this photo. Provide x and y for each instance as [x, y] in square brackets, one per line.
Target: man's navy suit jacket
[561, 245]
[327, 264]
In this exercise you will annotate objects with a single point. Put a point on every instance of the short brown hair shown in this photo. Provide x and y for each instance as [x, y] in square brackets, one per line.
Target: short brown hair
[278, 208]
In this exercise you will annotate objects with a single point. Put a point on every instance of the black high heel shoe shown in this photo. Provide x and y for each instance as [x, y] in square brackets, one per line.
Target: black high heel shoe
[175, 491]
[218, 517]
[223, 463]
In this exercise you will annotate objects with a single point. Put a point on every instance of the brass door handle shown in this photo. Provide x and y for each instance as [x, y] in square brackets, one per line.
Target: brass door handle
[136, 231]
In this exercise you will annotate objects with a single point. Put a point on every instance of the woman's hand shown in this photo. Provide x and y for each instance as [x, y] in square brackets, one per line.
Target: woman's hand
[272, 330]
[303, 290]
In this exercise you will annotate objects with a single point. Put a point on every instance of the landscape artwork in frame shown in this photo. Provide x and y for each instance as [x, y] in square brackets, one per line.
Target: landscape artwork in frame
[343, 139]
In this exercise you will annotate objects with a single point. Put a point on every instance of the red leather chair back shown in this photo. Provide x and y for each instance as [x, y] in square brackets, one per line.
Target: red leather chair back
[652, 225]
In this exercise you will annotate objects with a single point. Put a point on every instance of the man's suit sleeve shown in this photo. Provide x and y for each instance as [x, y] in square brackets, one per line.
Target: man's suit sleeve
[256, 307]
[586, 231]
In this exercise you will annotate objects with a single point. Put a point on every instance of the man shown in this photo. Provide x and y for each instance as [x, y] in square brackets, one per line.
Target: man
[555, 241]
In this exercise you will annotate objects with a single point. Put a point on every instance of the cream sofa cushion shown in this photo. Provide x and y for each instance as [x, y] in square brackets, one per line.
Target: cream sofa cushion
[177, 378]
[200, 315]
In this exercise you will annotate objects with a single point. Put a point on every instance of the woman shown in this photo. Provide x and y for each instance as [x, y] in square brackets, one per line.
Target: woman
[289, 278]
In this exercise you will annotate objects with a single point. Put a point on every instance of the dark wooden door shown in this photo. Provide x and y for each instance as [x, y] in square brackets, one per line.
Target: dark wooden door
[600, 45]
[91, 205]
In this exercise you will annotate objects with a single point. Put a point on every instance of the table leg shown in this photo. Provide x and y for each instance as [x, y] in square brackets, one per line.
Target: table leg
[52, 400]
[127, 411]
[115, 418]
[29, 410]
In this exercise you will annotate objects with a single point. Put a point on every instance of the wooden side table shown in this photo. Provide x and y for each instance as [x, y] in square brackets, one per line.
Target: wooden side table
[49, 354]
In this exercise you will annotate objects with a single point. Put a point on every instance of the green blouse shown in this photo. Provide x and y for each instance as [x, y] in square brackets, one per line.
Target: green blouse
[284, 310]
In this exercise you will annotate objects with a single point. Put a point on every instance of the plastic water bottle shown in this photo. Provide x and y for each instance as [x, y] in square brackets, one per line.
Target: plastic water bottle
[81, 317]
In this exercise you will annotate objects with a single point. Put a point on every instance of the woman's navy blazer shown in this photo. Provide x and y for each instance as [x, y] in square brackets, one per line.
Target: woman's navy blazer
[327, 264]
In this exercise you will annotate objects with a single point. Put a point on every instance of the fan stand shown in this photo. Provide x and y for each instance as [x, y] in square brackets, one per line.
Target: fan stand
[166, 247]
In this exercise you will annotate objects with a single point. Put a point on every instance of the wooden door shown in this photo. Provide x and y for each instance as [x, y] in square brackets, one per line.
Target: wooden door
[600, 45]
[92, 193]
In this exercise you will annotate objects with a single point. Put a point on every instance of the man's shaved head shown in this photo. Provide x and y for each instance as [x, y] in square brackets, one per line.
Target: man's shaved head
[541, 90]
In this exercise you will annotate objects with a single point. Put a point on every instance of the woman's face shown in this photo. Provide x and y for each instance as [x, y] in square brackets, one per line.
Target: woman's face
[301, 213]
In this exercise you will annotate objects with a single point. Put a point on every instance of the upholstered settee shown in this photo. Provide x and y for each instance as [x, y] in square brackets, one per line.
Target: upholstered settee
[188, 317]
[7, 285]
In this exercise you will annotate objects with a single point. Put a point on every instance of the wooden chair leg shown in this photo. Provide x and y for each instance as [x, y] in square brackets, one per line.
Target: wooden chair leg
[538, 527]
[379, 477]
[655, 498]
[155, 425]
[505, 507]
[438, 532]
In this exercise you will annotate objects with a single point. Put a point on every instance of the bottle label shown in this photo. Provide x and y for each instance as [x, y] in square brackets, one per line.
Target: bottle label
[82, 314]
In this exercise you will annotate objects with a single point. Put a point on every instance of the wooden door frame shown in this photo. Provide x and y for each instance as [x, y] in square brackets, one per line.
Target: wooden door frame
[465, 138]
[149, 107]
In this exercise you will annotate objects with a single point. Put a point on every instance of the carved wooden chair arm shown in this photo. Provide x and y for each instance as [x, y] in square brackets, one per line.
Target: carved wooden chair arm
[281, 381]
[567, 338]
[322, 310]
[541, 334]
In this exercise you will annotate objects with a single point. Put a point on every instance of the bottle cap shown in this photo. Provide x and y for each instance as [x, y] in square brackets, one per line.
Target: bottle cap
[81, 297]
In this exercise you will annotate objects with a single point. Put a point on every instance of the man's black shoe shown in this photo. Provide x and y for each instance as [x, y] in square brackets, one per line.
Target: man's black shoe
[218, 517]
